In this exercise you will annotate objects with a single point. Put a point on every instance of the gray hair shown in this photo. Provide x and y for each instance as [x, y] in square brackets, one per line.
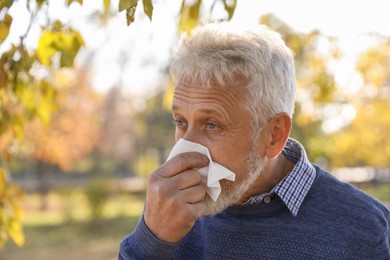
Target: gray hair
[223, 53]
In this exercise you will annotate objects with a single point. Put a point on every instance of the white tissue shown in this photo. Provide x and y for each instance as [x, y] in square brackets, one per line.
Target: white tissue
[211, 174]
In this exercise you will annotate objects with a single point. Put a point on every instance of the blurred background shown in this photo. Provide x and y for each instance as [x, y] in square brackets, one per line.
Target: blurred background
[85, 107]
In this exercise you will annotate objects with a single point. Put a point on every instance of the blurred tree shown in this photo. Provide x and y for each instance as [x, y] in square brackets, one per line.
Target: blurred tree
[117, 142]
[72, 132]
[316, 86]
[154, 132]
[365, 140]
[189, 15]
[97, 193]
[74, 127]
[374, 65]
[22, 88]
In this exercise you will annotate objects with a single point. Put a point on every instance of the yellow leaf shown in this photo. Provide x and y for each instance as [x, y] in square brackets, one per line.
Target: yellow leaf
[168, 95]
[10, 213]
[130, 15]
[106, 5]
[44, 112]
[18, 211]
[3, 183]
[127, 4]
[189, 16]
[40, 2]
[148, 8]
[71, 1]
[5, 26]
[45, 50]
[15, 232]
[230, 6]
[68, 43]
[3, 238]
[17, 127]
[6, 3]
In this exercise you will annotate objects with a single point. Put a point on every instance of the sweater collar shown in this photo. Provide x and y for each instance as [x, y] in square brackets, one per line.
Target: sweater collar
[294, 187]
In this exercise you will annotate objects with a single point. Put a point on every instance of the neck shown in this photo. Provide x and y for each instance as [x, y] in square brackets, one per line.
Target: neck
[274, 171]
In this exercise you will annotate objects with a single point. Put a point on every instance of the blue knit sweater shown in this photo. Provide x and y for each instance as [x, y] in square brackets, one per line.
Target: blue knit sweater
[335, 221]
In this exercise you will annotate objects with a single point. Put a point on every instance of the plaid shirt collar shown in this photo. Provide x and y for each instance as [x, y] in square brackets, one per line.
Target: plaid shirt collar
[293, 188]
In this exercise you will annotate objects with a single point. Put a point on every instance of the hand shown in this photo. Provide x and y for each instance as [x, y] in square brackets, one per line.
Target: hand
[175, 197]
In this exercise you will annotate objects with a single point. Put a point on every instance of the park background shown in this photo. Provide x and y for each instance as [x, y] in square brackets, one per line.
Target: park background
[85, 107]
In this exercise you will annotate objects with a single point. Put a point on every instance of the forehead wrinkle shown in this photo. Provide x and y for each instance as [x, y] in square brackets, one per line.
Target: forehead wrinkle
[220, 97]
[214, 102]
[217, 109]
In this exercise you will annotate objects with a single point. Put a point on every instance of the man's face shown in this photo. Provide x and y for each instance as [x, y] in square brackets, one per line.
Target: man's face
[216, 119]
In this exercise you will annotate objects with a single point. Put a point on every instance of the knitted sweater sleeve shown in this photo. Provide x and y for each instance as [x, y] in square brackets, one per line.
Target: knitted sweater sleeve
[383, 246]
[143, 244]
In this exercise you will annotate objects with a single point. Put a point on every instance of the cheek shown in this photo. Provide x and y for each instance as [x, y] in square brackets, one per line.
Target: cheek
[232, 157]
[241, 176]
[178, 134]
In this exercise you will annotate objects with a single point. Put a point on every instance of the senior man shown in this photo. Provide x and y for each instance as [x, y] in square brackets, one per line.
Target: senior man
[234, 95]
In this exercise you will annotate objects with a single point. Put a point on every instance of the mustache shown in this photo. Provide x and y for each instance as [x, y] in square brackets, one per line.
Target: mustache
[234, 192]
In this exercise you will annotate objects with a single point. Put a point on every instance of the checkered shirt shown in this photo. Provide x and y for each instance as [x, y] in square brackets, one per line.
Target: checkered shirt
[294, 187]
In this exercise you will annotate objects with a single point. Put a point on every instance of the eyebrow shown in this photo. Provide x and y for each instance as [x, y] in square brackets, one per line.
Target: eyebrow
[174, 108]
[208, 111]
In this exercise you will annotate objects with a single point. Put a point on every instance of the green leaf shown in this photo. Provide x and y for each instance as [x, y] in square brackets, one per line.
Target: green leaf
[130, 15]
[47, 90]
[40, 2]
[4, 121]
[194, 10]
[69, 2]
[57, 26]
[106, 4]
[67, 43]
[130, 6]
[127, 4]
[45, 49]
[17, 127]
[148, 8]
[189, 16]
[230, 6]
[6, 4]
[44, 112]
[5, 26]
[14, 230]
[47, 103]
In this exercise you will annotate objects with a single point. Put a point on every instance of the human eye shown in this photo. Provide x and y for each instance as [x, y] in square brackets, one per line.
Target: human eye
[212, 126]
[179, 123]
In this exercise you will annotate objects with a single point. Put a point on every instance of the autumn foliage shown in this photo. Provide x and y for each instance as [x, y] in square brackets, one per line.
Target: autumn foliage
[50, 114]
[74, 128]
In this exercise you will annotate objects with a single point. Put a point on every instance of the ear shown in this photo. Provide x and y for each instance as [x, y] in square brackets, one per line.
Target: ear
[278, 132]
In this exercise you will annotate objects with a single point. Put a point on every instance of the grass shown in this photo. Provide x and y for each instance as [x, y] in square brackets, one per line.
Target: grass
[72, 206]
[66, 229]
[380, 191]
[81, 240]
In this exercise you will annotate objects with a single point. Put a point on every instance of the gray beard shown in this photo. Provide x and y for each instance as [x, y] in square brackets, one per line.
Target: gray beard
[232, 193]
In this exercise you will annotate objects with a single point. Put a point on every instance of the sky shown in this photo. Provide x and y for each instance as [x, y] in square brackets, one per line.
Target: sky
[136, 56]
[332, 17]
[349, 21]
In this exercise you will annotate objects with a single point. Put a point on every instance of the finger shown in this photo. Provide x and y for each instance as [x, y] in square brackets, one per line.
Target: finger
[193, 194]
[182, 162]
[198, 209]
[185, 179]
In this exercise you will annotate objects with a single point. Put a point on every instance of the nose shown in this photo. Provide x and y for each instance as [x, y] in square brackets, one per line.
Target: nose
[193, 135]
